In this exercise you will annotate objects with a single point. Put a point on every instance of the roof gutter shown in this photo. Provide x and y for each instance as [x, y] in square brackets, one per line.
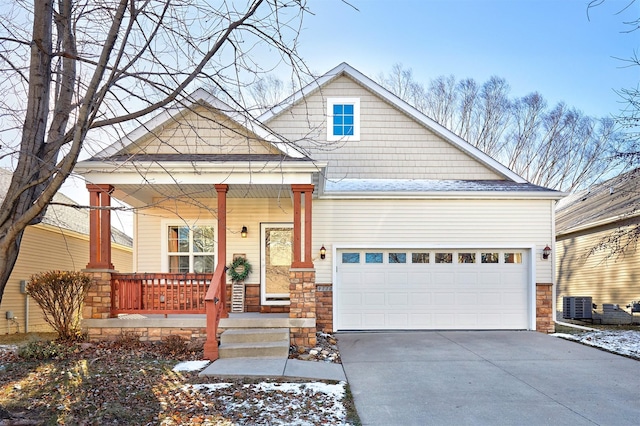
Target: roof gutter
[466, 195]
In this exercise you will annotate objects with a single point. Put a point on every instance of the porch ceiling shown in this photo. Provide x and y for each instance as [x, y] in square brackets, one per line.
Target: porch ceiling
[138, 195]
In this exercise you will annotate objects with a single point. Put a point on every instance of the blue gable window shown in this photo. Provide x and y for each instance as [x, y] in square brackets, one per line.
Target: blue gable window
[343, 119]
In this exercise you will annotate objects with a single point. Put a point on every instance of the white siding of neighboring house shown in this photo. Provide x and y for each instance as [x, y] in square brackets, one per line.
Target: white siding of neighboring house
[202, 131]
[392, 145]
[249, 212]
[433, 222]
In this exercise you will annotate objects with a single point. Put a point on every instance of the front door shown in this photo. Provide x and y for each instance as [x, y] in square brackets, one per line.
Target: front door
[275, 262]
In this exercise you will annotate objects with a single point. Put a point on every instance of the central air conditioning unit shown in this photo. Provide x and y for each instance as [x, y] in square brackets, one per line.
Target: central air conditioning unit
[575, 307]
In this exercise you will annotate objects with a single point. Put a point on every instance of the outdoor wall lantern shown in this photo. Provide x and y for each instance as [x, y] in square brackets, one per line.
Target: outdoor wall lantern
[243, 233]
[546, 252]
[323, 252]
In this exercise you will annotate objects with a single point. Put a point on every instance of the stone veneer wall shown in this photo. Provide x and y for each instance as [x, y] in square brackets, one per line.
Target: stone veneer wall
[97, 304]
[324, 307]
[544, 308]
[302, 289]
[146, 333]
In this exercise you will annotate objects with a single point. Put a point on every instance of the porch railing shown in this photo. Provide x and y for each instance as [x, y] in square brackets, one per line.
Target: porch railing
[159, 293]
[215, 307]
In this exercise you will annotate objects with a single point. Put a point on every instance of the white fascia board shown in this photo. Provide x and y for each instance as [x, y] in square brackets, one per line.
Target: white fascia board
[465, 195]
[185, 173]
[401, 105]
[134, 178]
[244, 120]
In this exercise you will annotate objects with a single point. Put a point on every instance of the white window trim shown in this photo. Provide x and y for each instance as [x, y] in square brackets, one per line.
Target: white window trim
[356, 119]
[165, 224]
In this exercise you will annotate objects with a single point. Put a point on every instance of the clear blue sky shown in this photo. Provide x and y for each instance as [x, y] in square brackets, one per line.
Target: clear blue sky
[549, 46]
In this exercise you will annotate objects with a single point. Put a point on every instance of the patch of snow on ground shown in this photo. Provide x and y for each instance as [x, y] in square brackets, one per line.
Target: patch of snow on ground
[190, 365]
[285, 403]
[623, 342]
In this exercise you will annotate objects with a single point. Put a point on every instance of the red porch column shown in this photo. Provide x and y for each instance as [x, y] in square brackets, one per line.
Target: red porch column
[221, 190]
[298, 260]
[100, 227]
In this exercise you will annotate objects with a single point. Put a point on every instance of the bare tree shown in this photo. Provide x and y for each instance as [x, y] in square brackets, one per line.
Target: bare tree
[83, 65]
[441, 100]
[559, 148]
[628, 118]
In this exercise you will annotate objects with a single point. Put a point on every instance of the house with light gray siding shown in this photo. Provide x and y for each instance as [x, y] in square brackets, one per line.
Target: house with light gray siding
[393, 221]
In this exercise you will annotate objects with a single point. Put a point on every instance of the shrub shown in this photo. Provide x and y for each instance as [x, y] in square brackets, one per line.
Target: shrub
[173, 345]
[128, 340]
[40, 350]
[60, 294]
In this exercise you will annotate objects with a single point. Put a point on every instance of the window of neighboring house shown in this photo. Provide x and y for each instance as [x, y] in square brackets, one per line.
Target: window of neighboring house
[343, 119]
[190, 249]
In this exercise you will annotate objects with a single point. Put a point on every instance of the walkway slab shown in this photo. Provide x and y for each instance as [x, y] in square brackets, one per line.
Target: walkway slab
[314, 370]
[274, 367]
[246, 367]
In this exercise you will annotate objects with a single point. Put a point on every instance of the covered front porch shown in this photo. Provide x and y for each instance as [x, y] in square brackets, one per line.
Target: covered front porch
[184, 288]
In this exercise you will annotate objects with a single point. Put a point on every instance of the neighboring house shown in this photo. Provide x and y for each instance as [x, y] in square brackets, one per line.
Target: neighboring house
[421, 229]
[59, 242]
[586, 221]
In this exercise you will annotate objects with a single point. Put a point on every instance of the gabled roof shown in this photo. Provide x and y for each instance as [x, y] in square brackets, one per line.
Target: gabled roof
[243, 119]
[446, 134]
[399, 188]
[611, 201]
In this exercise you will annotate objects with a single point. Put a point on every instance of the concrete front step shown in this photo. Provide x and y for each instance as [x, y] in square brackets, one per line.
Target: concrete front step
[254, 335]
[278, 349]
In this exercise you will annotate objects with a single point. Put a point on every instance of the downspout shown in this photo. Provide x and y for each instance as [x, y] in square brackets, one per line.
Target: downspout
[26, 313]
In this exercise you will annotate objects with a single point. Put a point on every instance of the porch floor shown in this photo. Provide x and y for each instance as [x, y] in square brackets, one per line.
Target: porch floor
[235, 320]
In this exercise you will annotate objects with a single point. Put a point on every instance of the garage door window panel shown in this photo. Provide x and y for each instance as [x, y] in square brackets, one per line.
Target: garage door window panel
[397, 257]
[466, 258]
[444, 258]
[373, 257]
[419, 257]
[513, 258]
[350, 257]
[489, 258]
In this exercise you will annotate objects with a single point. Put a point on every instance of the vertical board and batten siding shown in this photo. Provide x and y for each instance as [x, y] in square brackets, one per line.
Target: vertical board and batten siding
[44, 249]
[392, 145]
[202, 131]
[433, 222]
[249, 212]
[615, 280]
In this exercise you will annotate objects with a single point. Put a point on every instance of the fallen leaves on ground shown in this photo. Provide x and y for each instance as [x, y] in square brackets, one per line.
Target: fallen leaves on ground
[107, 385]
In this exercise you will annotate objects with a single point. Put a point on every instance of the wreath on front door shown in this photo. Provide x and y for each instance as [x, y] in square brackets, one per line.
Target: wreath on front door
[239, 269]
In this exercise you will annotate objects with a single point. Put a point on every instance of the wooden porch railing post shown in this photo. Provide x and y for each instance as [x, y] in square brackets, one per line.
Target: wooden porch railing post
[213, 304]
[221, 190]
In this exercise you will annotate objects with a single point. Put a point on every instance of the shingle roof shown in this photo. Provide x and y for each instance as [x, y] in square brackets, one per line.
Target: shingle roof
[431, 185]
[65, 216]
[613, 200]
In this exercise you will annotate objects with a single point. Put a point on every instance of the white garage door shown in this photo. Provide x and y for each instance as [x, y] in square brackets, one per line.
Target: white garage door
[382, 289]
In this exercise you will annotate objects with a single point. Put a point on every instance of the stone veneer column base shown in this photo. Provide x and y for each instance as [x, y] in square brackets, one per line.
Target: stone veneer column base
[97, 304]
[302, 290]
[544, 308]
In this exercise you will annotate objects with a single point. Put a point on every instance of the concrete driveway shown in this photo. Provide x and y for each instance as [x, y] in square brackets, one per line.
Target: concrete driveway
[487, 378]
